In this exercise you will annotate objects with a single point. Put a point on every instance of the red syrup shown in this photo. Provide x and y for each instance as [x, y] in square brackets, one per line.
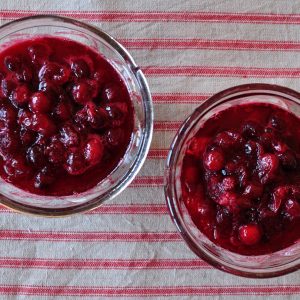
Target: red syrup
[240, 178]
[66, 117]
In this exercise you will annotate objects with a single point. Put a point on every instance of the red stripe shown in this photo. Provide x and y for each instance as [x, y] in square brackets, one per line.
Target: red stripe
[42, 263]
[151, 181]
[157, 209]
[167, 125]
[89, 236]
[179, 97]
[177, 16]
[256, 45]
[149, 291]
[158, 153]
[206, 71]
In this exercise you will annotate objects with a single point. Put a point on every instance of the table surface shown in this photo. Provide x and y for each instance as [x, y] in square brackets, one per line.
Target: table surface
[129, 247]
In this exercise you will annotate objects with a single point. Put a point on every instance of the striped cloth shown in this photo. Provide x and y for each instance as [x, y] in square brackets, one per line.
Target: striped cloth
[129, 247]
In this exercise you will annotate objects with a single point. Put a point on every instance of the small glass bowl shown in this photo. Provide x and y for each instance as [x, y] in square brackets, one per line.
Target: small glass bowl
[127, 169]
[260, 266]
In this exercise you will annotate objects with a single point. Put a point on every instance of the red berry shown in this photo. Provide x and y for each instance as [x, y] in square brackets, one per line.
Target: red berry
[250, 234]
[93, 150]
[76, 163]
[82, 93]
[214, 160]
[69, 136]
[25, 118]
[16, 167]
[20, 96]
[267, 166]
[39, 53]
[44, 178]
[43, 124]
[55, 73]
[55, 152]
[80, 68]
[227, 139]
[292, 207]
[39, 102]
[8, 115]
[279, 196]
[35, 155]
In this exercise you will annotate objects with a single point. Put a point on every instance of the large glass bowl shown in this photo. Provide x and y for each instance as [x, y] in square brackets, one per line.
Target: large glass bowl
[137, 86]
[260, 266]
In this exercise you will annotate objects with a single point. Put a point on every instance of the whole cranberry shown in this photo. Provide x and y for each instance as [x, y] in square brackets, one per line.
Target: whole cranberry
[97, 117]
[267, 166]
[250, 234]
[93, 150]
[75, 164]
[55, 73]
[8, 114]
[39, 53]
[20, 96]
[80, 68]
[43, 124]
[40, 103]
[82, 93]
[214, 160]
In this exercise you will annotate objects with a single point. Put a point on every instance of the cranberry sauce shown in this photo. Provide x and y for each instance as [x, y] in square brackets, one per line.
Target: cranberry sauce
[241, 178]
[66, 117]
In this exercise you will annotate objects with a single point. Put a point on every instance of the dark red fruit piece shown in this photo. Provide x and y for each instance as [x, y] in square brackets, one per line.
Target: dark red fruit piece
[55, 73]
[227, 139]
[55, 152]
[25, 74]
[69, 136]
[279, 146]
[292, 208]
[8, 141]
[7, 86]
[229, 200]
[39, 53]
[8, 115]
[228, 183]
[280, 194]
[20, 96]
[250, 234]
[40, 103]
[80, 68]
[224, 218]
[267, 166]
[35, 155]
[288, 160]
[93, 150]
[117, 112]
[75, 164]
[16, 167]
[12, 63]
[82, 93]
[27, 136]
[214, 160]
[97, 117]
[115, 137]
[43, 124]
[25, 118]
[50, 88]
[44, 178]
[277, 123]
[63, 110]
[251, 130]
[197, 147]
[253, 190]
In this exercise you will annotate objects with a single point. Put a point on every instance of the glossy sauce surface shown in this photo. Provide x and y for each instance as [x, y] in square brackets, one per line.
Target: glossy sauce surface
[240, 178]
[66, 117]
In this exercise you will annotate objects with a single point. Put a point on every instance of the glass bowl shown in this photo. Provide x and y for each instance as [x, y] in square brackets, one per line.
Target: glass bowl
[260, 266]
[128, 167]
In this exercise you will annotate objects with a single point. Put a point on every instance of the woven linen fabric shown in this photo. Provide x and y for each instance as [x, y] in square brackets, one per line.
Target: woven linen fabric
[129, 247]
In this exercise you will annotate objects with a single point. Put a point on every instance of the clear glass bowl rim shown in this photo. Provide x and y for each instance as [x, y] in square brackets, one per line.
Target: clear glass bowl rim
[169, 178]
[26, 22]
